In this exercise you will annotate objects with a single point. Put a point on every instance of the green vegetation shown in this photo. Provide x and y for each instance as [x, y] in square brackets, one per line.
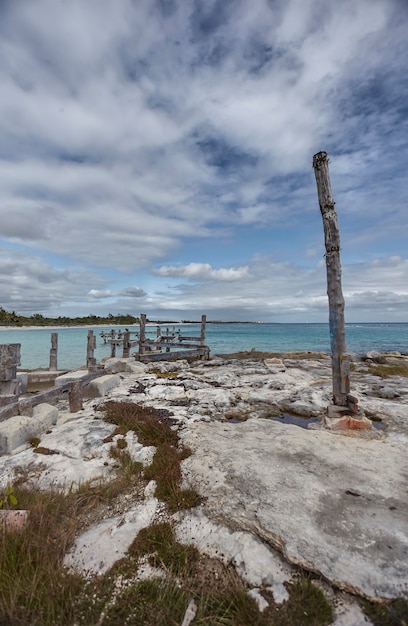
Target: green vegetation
[161, 374]
[159, 542]
[307, 606]
[393, 614]
[8, 499]
[153, 428]
[386, 371]
[13, 319]
[259, 355]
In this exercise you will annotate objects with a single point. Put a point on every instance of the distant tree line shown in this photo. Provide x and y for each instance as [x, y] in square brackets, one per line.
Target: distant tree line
[11, 318]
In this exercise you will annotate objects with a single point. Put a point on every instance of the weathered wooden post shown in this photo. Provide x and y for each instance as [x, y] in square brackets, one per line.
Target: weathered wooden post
[202, 334]
[91, 345]
[54, 351]
[126, 344]
[75, 396]
[9, 361]
[340, 360]
[142, 334]
[112, 343]
[345, 412]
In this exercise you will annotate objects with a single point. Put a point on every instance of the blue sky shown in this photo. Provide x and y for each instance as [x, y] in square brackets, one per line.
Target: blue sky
[156, 157]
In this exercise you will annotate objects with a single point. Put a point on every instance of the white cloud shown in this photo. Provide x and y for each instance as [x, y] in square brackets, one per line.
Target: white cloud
[180, 136]
[203, 271]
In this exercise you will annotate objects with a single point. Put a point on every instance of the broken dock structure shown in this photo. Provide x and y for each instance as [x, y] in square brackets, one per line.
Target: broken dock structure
[159, 343]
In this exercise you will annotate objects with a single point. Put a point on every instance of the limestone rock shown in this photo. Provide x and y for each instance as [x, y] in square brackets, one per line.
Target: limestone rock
[332, 504]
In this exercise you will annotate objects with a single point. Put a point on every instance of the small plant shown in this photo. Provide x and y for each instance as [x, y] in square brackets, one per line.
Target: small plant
[8, 498]
[161, 374]
[45, 451]
[307, 606]
[159, 542]
[34, 442]
[393, 614]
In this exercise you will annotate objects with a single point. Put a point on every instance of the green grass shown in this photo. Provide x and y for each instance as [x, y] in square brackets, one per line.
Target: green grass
[259, 355]
[307, 606]
[393, 614]
[161, 374]
[386, 371]
[34, 589]
[148, 423]
[159, 542]
[152, 428]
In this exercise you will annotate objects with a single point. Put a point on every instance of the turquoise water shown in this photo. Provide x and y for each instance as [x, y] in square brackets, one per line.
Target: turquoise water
[221, 338]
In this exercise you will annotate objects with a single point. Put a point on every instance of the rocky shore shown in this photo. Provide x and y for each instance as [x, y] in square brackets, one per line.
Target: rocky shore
[280, 492]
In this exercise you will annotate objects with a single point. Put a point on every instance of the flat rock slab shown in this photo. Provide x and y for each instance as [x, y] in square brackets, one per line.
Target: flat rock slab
[96, 550]
[334, 504]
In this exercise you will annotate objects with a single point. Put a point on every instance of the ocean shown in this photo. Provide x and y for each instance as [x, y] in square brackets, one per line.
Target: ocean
[221, 338]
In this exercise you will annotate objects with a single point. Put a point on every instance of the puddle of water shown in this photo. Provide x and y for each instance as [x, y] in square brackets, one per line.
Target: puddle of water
[297, 420]
[303, 422]
[379, 425]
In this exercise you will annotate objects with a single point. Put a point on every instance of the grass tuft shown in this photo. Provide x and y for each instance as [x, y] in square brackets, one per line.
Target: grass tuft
[393, 614]
[307, 606]
[386, 371]
[158, 540]
[152, 429]
[147, 422]
[161, 374]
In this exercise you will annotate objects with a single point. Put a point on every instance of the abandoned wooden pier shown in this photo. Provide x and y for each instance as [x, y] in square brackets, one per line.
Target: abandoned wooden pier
[151, 345]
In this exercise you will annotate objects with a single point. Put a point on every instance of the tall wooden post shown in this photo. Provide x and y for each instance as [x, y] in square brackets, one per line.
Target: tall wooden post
[54, 351]
[340, 360]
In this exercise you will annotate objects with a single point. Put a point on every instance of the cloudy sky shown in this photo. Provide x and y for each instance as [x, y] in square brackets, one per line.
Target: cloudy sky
[156, 157]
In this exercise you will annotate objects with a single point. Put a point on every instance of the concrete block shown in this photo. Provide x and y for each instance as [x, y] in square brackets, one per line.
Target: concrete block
[99, 387]
[116, 365]
[136, 367]
[15, 431]
[45, 415]
[70, 377]
[22, 378]
[43, 377]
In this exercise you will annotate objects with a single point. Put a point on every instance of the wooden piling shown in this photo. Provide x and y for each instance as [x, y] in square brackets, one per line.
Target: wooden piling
[126, 344]
[53, 352]
[142, 333]
[91, 345]
[202, 333]
[112, 344]
[9, 361]
[340, 360]
[75, 395]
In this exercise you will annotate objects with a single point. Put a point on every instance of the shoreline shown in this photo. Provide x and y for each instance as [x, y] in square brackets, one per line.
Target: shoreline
[90, 326]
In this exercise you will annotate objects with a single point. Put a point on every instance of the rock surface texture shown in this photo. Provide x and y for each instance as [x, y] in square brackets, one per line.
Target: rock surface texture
[276, 495]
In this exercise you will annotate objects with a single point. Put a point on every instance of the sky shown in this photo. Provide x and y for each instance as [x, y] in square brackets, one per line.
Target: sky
[156, 157]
